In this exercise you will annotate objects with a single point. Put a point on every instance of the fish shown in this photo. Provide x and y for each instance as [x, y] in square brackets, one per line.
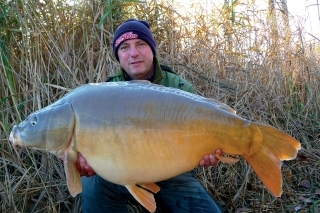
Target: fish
[138, 133]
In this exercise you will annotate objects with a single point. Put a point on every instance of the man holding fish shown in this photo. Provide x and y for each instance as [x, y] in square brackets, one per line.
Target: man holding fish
[135, 49]
[143, 137]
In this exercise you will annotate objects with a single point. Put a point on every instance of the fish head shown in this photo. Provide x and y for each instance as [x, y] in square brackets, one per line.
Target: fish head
[50, 128]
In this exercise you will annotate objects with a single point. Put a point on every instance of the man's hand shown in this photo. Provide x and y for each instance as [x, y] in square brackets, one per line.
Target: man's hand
[211, 160]
[83, 168]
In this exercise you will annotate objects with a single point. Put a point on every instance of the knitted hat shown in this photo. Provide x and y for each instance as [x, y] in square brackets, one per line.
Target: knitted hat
[133, 29]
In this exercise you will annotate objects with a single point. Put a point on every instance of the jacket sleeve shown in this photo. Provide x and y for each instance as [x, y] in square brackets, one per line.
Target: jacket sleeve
[175, 81]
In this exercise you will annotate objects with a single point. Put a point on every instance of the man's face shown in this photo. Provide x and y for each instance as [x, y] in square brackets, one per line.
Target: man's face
[136, 58]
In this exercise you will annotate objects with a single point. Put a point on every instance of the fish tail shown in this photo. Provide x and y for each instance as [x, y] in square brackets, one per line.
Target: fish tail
[275, 147]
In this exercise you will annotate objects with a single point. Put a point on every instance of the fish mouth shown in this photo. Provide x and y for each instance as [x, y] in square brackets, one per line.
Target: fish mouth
[15, 140]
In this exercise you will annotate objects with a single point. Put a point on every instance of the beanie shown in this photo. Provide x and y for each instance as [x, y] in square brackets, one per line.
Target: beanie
[133, 29]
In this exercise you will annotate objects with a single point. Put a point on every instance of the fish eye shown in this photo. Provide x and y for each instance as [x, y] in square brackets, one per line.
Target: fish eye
[33, 121]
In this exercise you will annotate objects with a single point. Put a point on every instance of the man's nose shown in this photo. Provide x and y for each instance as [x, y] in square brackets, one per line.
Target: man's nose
[134, 52]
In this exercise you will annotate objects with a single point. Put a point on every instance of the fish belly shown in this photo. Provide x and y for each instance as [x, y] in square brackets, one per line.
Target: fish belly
[129, 156]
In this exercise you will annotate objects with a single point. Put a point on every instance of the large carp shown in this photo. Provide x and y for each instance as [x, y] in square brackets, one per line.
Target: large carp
[137, 133]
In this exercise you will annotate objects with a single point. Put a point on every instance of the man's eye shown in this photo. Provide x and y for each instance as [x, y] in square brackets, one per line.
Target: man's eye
[142, 44]
[123, 47]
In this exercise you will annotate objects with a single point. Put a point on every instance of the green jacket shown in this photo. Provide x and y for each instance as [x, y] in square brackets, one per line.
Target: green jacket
[163, 75]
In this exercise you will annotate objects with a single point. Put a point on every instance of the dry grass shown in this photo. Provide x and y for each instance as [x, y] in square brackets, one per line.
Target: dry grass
[269, 78]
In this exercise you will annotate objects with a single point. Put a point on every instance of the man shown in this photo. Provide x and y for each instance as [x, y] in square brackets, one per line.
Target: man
[135, 49]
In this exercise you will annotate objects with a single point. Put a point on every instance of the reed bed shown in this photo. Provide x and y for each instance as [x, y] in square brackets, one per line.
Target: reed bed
[248, 58]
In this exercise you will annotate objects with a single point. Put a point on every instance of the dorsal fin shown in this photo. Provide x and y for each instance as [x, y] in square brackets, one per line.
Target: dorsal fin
[222, 105]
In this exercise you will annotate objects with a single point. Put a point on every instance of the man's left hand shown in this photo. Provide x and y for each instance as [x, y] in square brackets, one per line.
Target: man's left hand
[211, 160]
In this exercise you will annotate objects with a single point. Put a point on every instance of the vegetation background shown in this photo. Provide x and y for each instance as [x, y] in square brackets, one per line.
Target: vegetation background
[256, 60]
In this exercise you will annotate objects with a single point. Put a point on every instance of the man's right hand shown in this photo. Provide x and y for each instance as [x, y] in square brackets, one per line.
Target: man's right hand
[83, 168]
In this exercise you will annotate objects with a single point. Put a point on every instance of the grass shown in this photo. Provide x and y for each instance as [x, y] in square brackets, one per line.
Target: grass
[231, 56]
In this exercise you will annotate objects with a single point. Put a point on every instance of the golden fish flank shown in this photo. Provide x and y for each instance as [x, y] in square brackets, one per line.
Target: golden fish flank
[120, 127]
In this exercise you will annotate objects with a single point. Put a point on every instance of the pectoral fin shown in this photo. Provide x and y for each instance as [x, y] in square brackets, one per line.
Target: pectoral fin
[72, 174]
[144, 197]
